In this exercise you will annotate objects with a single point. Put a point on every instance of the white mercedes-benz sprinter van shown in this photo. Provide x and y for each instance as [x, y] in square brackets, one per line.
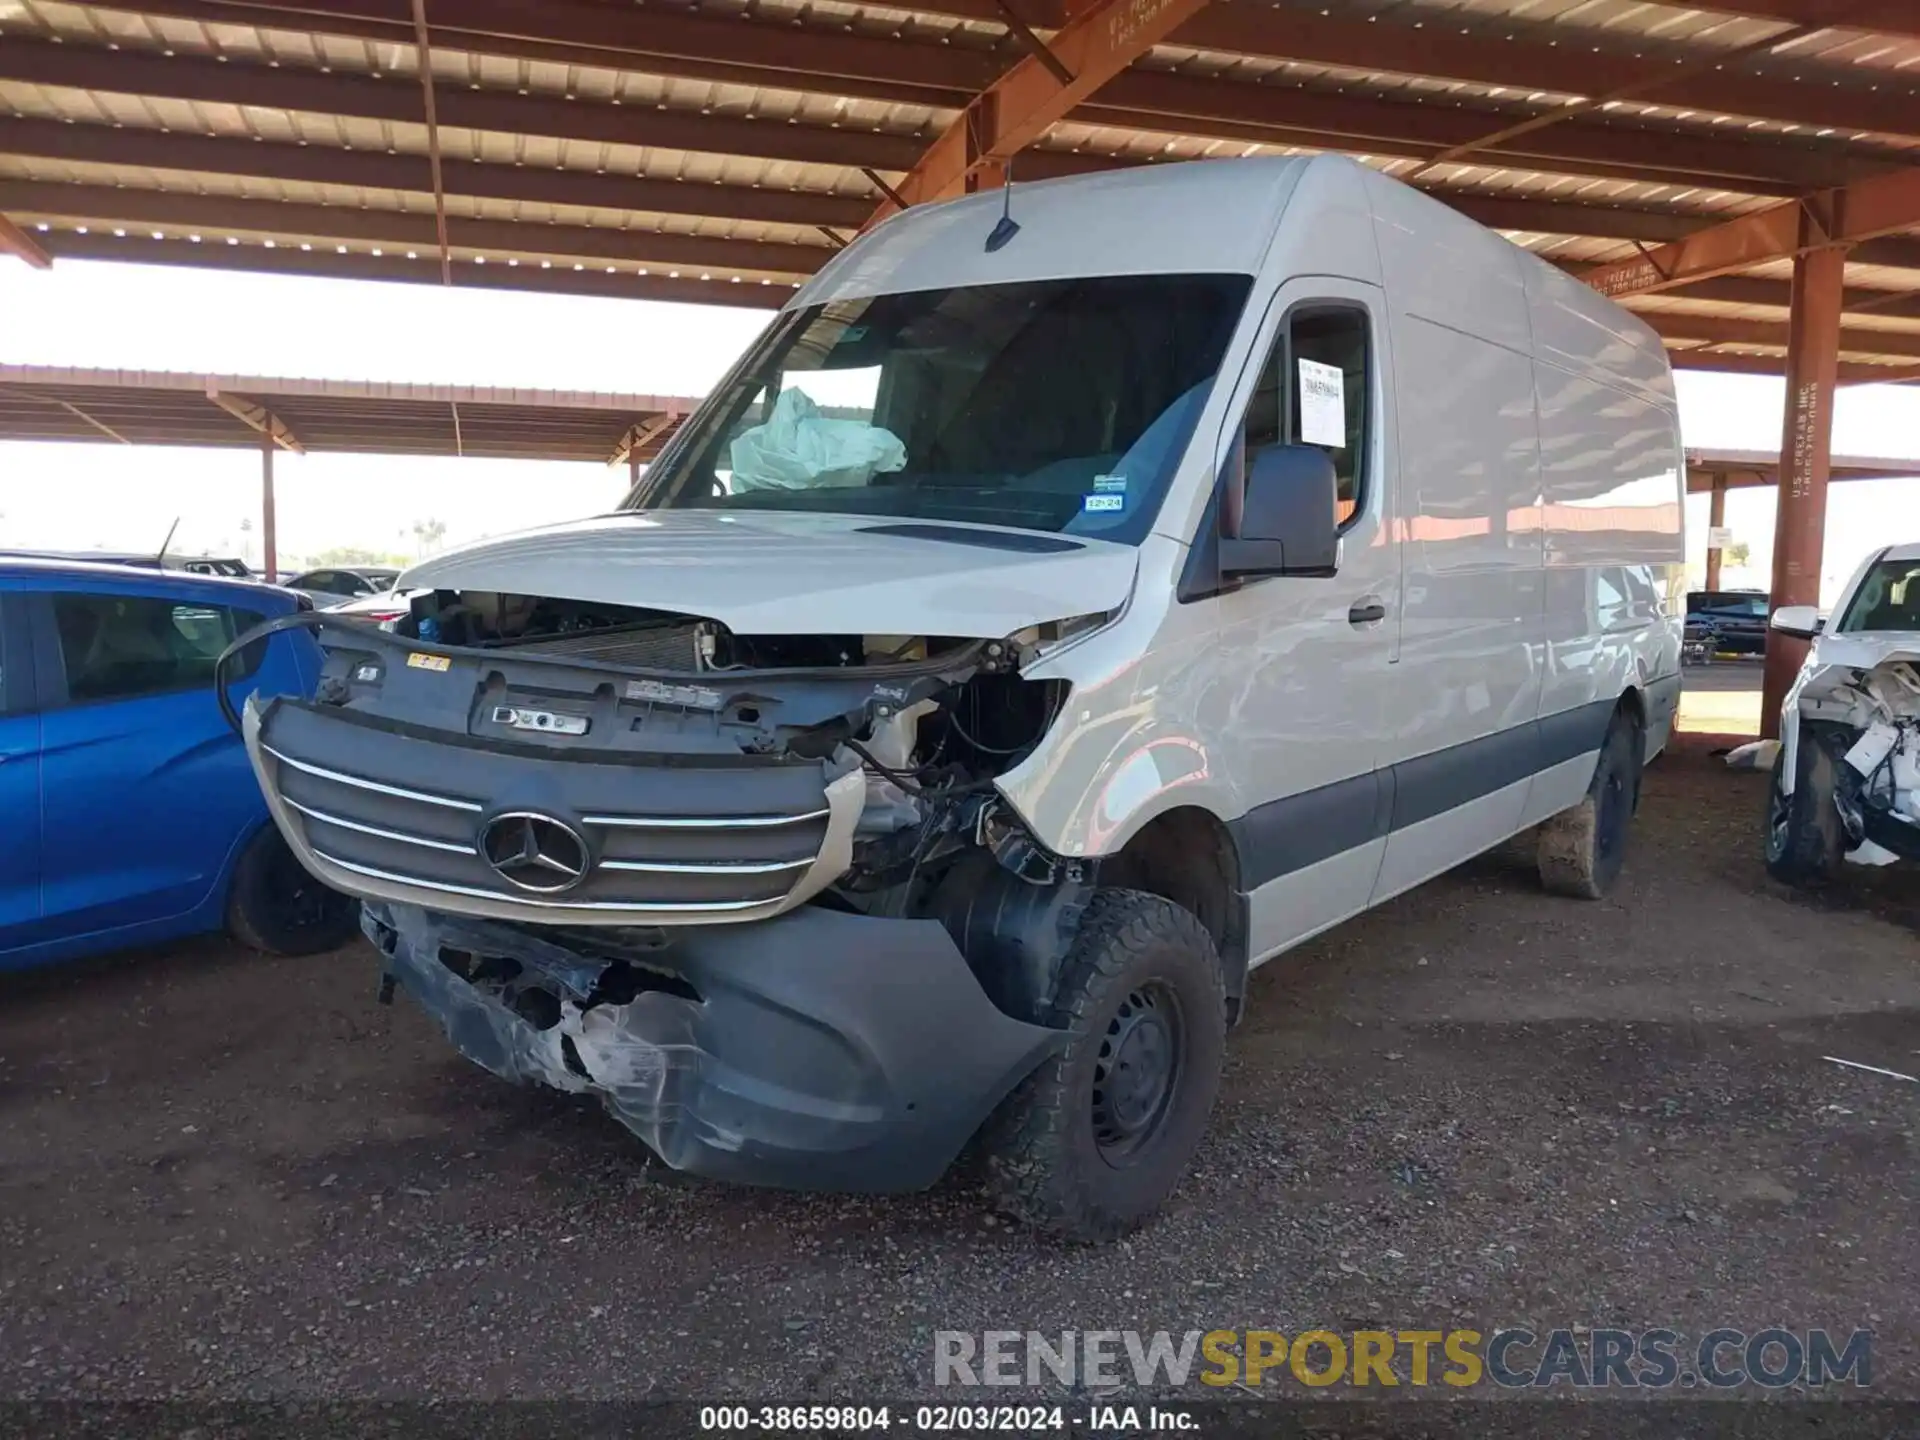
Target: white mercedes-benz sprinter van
[1049, 620]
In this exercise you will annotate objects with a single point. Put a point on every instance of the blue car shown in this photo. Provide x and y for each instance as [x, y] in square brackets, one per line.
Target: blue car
[128, 811]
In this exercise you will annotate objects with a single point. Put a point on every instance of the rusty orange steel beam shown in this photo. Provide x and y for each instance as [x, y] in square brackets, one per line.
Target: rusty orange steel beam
[1881, 205]
[1886, 375]
[15, 241]
[1099, 40]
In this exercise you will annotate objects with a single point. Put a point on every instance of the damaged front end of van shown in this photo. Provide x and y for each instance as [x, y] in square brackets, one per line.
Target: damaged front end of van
[755, 890]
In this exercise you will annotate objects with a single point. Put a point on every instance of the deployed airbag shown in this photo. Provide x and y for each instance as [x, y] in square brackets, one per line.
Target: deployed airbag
[801, 449]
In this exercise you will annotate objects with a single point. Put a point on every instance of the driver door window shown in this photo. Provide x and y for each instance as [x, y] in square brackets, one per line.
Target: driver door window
[1320, 350]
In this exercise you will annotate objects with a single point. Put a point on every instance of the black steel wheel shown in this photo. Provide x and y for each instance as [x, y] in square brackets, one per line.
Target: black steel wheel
[1094, 1141]
[1136, 1072]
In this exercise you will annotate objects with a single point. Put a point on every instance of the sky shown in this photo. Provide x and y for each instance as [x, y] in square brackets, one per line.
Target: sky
[113, 316]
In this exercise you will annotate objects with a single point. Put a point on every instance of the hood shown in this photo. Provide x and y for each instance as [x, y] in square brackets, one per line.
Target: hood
[1864, 649]
[768, 573]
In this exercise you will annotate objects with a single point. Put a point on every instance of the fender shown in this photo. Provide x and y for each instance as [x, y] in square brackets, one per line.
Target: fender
[1126, 747]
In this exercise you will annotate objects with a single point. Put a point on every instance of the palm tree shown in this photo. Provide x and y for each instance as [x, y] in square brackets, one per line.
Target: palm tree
[429, 534]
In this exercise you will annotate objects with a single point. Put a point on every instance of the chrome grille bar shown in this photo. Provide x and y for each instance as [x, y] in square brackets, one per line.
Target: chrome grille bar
[540, 902]
[358, 783]
[376, 831]
[745, 867]
[702, 822]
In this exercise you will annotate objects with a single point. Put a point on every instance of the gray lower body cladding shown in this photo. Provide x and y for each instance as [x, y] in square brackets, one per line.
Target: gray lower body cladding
[817, 1050]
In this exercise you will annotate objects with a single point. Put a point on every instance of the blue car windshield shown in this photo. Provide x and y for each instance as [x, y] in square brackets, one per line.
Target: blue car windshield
[1054, 405]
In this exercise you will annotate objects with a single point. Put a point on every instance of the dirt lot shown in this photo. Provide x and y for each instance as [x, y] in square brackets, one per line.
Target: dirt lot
[224, 1177]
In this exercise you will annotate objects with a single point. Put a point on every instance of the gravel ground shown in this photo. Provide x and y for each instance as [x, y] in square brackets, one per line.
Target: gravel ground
[225, 1177]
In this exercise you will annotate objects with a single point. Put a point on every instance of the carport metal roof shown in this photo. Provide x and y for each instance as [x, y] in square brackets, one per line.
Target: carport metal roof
[157, 408]
[1738, 469]
[720, 150]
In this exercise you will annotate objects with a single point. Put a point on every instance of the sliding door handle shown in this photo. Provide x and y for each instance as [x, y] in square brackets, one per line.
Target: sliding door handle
[1367, 610]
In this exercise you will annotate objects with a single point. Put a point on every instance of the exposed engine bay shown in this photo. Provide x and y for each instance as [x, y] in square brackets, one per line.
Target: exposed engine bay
[561, 814]
[1873, 715]
[928, 721]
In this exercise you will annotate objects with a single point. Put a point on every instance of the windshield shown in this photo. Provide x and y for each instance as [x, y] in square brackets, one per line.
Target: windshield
[1888, 599]
[1059, 405]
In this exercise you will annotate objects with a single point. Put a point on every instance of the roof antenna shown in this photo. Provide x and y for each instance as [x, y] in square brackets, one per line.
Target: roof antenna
[161, 558]
[1008, 226]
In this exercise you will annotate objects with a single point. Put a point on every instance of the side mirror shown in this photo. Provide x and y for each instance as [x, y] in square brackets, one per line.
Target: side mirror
[1287, 524]
[1802, 622]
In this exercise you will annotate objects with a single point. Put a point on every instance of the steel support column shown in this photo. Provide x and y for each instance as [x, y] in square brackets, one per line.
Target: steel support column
[1806, 453]
[1716, 518]
[269, 557]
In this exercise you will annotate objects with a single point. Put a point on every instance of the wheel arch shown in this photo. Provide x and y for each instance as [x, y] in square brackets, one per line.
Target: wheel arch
[1187, 855]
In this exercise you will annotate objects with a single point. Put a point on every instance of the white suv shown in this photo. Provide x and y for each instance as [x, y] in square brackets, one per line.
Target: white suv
[1846, 784]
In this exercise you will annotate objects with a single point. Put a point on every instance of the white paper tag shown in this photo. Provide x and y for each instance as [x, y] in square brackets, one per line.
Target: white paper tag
[1323, 404]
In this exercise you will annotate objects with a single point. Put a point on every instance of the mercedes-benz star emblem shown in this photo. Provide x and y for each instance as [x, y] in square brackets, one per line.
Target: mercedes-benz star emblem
[534, 852]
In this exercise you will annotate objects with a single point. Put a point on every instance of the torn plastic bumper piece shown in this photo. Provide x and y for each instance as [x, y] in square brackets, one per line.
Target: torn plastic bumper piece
[817, 1050]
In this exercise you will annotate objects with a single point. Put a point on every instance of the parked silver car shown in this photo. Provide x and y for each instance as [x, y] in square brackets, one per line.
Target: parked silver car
[330, 589]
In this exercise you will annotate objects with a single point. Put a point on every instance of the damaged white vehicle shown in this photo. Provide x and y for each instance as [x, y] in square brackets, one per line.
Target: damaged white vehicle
[1027, 640]
[1846, 784]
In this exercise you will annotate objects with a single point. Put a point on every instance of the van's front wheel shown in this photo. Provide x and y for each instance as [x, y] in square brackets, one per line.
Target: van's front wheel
[1092, 1142]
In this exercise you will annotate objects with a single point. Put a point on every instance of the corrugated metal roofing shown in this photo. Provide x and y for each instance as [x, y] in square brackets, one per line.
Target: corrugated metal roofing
[162, 408]
[720, 150]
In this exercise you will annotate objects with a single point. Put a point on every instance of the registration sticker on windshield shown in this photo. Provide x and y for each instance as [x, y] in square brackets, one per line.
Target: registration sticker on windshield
[1107, 484]
[1097, 503]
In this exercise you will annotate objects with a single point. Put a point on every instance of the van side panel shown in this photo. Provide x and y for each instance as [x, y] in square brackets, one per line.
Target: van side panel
[1612, 482]
[1612, 479]
[1459, 737]
[1580, 331]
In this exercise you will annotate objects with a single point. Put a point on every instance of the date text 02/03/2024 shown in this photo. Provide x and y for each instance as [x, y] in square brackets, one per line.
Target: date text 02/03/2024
[941, 1419]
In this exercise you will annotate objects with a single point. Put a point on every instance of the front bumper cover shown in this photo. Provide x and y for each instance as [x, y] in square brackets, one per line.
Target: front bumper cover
[823, 1051]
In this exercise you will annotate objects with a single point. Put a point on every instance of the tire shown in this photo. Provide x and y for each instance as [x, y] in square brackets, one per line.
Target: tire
[276, 906]
[1804, 842]
[1072, 1151]
[1581, 849]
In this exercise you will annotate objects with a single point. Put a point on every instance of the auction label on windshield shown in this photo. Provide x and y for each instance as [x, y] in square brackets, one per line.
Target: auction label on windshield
[1323, 404]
